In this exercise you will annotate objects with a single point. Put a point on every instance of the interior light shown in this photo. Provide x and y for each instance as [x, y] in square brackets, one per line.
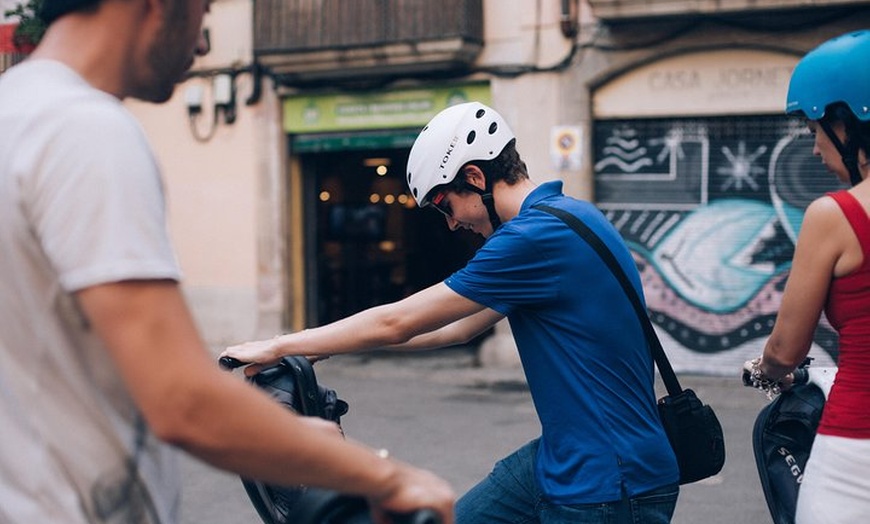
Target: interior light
[377, 162]
[374, 198]
[381, 170]
[325, 196]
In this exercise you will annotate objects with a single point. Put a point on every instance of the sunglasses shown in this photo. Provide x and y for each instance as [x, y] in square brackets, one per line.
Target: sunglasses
[439, 202]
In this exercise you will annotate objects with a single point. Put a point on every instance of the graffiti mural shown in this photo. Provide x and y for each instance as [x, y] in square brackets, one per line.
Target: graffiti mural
[711, 209]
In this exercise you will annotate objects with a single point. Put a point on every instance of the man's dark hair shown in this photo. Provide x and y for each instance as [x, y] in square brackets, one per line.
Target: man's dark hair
[51, 10]
[507, 166]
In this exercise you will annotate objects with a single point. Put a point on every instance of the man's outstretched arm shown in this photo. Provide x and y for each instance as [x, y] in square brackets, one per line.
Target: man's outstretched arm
[189, 402]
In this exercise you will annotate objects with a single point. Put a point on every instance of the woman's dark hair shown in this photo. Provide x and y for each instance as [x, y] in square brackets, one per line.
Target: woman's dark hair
[857, 132]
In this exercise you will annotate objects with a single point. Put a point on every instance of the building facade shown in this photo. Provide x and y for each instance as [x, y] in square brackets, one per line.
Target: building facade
[284, 152]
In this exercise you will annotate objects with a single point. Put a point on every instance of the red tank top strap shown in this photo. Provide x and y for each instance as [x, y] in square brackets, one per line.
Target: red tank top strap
[857, 218]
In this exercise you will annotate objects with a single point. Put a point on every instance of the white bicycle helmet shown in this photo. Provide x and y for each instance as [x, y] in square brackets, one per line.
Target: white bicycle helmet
[455, 136]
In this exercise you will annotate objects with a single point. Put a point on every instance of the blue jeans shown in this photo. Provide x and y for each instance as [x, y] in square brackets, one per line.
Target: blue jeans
[510, 495]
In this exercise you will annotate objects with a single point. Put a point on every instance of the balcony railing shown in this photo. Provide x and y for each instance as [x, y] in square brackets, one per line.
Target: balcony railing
[323, 39]
[616, 10]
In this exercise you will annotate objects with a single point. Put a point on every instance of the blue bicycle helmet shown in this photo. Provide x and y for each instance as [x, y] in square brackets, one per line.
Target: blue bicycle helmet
[836, 71]
[836, 74]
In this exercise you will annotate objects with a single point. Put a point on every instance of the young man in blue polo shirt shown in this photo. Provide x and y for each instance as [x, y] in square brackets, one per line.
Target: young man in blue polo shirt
[603, 455]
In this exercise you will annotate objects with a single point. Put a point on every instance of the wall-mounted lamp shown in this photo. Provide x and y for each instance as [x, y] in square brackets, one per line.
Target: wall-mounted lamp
[569, 21]
[223, 99]
[193, 99]
[217, 88]
[224, 90]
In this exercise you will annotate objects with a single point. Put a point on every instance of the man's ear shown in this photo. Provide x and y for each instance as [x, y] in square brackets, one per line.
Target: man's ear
[158, 7]
[474, 176]
[148, 16]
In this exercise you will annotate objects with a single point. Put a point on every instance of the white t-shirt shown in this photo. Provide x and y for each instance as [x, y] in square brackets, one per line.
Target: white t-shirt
[81, 204]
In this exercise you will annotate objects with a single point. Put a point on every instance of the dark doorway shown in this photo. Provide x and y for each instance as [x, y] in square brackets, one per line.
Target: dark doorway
[371, 244]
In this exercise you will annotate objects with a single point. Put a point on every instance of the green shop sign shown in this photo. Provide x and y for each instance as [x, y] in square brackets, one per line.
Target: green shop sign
[401, 108]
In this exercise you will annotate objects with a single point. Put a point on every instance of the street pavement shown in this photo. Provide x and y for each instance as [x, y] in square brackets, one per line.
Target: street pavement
[440, 411]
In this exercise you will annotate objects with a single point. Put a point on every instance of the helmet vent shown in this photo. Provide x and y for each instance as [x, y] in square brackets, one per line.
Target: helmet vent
[456, 136]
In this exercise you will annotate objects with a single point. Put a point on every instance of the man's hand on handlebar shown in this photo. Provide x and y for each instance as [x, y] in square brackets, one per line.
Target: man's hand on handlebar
[413, 489]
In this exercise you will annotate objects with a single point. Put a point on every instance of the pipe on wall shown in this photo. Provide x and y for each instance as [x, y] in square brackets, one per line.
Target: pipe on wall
[568, 21]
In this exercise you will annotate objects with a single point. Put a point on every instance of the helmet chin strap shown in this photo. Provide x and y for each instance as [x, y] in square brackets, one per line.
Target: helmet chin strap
[848, 151]
[488, 202]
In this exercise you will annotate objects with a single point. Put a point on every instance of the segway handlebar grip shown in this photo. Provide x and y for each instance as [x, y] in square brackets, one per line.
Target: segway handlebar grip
[230, 362]
[800, 376]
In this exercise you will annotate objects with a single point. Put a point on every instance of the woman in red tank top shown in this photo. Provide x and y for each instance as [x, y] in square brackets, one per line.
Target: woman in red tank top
[830, 271]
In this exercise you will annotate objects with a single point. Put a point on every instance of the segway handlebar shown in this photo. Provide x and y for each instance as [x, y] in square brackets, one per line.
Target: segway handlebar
[230, 362]
[800, 375]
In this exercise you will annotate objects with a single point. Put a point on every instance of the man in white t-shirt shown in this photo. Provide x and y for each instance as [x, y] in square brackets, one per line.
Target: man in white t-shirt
[101, 365]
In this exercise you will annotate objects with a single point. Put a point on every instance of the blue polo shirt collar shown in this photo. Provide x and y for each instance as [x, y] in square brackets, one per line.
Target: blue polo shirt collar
[541, 193]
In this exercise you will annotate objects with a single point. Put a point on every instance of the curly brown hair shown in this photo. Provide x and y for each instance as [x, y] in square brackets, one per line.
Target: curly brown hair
[507, 166]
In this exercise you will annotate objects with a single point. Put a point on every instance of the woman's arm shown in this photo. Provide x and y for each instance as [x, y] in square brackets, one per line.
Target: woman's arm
[821, 248]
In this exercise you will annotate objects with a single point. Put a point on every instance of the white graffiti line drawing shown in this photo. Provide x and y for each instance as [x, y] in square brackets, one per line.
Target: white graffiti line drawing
[657, 235]
[791, 160]
[622, 142]
[652, 227]
[790, 217]
[623, 150]
[708, 258]
[682, 154]
[627, 148]
[742, 169]
[673, 146]
[618, 221]
[638, 222]
[648, 227]
[625, 155]
[622, 165]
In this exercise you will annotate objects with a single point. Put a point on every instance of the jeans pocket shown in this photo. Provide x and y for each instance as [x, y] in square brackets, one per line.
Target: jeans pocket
[655, 507]
[579, 514]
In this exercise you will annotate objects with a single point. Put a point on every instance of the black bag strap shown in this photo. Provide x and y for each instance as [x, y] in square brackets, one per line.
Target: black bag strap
[665, 370]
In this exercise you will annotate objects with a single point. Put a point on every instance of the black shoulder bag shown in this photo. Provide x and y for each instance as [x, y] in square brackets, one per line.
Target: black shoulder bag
[691, 426]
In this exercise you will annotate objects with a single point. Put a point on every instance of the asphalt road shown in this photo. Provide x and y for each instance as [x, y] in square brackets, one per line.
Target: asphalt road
[440, 412]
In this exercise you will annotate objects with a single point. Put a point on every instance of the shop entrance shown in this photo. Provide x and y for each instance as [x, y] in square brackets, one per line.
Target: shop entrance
[367, 243]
